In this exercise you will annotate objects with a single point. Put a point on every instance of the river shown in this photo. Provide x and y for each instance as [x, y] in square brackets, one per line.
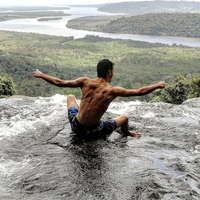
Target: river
[58, 28]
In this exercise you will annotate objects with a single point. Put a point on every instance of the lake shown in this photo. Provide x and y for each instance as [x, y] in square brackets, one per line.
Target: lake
[58, 28]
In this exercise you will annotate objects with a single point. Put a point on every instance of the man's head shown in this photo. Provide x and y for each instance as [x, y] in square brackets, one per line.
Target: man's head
[104, 68]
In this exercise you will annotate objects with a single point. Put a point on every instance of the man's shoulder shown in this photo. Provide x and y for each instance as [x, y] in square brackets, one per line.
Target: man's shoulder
[86, 81]
[116, 91]
[114, 88]
[83, 79]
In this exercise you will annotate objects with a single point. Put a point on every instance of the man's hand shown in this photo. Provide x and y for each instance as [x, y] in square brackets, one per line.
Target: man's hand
[162, 84]
[37, 73]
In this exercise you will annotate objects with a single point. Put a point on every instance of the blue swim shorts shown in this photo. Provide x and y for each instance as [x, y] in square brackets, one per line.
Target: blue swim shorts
[102, 129]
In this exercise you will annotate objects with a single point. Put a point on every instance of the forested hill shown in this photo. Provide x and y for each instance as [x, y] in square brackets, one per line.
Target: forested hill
[162, 24]
[136, 8]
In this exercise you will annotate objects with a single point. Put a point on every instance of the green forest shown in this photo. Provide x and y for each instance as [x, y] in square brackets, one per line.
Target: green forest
[144, 7]
[49, 18]
[19, 12]
[160, 24]
[136, 63]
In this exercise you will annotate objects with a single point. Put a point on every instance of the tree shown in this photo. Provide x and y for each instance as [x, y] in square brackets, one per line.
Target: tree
[176, 92]
[7, 87]
[195, 87]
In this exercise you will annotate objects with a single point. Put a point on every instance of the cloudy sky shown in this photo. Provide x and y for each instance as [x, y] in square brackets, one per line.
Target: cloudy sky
[49, 2]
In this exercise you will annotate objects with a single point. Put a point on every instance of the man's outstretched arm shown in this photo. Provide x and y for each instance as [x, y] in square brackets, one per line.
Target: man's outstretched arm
[119, 91]
[58, 82]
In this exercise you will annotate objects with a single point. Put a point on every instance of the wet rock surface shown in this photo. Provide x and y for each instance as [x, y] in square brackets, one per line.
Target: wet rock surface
[41, 159]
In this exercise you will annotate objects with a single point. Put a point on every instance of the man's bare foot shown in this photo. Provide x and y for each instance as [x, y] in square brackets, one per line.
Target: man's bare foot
[136, 135]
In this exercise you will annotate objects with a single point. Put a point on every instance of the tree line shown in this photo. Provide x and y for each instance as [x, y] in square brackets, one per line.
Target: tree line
[32, 14]
[159, 24]
[144, 7]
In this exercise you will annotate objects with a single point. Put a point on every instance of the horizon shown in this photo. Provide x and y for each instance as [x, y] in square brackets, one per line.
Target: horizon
[64, 2]
[57, 2]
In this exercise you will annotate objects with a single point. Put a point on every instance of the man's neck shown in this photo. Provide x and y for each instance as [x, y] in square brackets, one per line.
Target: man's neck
[104, 80]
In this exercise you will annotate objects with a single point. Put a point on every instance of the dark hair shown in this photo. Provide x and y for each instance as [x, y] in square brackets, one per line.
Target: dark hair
[103, 67]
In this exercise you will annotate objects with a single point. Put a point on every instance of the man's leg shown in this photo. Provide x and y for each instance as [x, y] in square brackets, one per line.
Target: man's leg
[71, 101]
[122, 121]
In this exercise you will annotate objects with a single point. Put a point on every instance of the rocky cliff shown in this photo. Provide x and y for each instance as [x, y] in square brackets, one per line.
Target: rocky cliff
[40, 159]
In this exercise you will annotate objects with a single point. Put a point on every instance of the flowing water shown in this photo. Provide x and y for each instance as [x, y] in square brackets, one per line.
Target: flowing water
[40, 159]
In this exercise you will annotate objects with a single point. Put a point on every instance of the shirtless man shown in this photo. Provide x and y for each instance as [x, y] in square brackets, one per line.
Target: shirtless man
[96, 96]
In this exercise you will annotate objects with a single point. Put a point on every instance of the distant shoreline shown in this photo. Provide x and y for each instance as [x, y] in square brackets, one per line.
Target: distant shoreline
[49, 19]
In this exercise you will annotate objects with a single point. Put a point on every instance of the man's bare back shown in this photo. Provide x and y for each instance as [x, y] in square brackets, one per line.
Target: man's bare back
[97, 95]
[95, 99]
